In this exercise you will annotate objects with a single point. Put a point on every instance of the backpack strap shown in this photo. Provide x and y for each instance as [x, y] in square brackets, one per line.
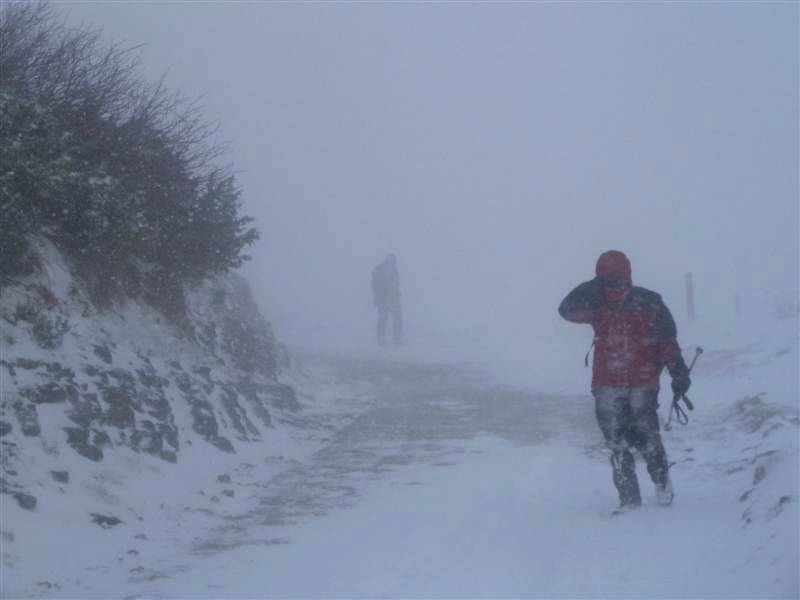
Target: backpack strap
[588, 352]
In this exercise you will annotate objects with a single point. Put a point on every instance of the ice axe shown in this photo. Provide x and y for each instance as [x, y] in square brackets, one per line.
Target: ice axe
[680, 415]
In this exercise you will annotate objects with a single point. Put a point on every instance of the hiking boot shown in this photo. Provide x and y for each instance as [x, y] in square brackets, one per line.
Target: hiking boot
[665, 493]
[625, 507]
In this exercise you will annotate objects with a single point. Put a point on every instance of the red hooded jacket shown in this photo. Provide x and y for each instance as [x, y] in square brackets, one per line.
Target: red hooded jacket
[634, 333]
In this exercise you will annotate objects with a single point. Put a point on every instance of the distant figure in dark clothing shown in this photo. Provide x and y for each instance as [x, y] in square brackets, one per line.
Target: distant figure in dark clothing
[634, 339]
[386, 298]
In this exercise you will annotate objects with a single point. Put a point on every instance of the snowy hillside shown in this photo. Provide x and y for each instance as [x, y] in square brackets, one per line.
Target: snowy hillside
[87, 394]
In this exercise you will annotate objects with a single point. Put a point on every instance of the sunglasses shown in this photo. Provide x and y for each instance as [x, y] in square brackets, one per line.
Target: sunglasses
[613, 282]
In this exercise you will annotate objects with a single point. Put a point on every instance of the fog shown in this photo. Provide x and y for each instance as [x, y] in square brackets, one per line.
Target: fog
[497, 149]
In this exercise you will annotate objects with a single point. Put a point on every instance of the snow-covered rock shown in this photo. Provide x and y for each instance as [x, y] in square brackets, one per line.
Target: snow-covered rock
[79, 380]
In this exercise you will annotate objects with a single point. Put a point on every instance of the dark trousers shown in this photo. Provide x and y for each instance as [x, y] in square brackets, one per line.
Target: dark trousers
[628, 418]
[384, 312]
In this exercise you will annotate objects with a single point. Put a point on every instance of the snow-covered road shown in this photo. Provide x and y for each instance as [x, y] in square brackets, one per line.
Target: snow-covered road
[421, 479]
[452, 487]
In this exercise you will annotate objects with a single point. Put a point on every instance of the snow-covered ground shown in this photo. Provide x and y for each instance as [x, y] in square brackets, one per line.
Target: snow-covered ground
[415, 477]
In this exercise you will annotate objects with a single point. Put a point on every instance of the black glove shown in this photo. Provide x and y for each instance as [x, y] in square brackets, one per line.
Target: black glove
[591, 292]
[681, 383]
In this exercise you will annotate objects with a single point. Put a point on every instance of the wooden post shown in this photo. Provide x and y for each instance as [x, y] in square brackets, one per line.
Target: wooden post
[690, 296]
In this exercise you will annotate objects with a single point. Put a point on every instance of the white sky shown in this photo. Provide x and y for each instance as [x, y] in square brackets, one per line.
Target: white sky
[497, 149]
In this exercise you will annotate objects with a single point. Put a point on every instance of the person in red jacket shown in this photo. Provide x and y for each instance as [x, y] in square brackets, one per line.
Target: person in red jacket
[634, 339]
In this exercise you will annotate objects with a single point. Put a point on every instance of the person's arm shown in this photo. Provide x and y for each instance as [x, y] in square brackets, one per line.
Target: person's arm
[581, 303]
[374, 285]
[670, 351]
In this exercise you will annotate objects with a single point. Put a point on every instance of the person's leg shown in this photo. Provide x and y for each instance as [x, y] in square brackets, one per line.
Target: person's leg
[383, 316]
[397, 325]
[647, 438]
[613, 413]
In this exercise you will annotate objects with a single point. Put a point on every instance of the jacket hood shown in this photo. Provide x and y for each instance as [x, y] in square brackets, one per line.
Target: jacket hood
[614, 264]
